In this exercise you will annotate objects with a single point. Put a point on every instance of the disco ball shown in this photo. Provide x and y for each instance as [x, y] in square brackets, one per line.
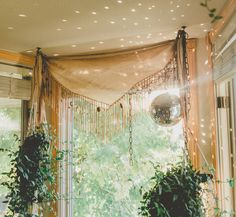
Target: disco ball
[166, 110]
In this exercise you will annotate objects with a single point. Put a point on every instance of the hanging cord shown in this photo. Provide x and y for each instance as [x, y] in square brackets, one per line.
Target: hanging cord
[131, 160]
[34, 109]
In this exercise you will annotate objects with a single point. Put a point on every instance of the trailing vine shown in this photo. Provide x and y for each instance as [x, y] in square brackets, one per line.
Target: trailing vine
[211, 11]
[32, 176]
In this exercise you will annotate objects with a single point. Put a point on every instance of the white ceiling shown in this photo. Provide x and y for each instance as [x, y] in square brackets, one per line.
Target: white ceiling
[80, 26]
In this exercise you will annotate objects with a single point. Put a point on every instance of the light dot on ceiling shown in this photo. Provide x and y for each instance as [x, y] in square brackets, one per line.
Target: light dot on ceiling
[79, 28]
[106, 7]
[177, 6]
[150, 8]
[77, 12]
[112, 22]
[64, 20]
[122, 45]
[138, 36]
[22, 15]
[124, 18]
[182, 15]
[55, 54]
[160, 33]
[172, 10]
[139, 4]
[136, 24]
[120, 1]
[205, 30]
[122, 39]
[130, 42]
[188, 4]
[153, 6]
[95, 21]
[146, 18]
[29, 51]
[59, 29]
[173, 18]
[202, 24]
[133, 10]
[92, 48]
[10, 27]
[101, 42]
[73, 45]
[94, 13]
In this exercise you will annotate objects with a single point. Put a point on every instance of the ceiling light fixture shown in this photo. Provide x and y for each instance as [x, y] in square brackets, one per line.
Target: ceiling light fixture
[10, 27]
[106, 7]
[55, 54]
[112, 22]
[79, 28]
[73, 45]
[64, 20]
[124, 18]
[59, 29]
[119, 1]
[133, 10]
[94, 13]
[77, 12]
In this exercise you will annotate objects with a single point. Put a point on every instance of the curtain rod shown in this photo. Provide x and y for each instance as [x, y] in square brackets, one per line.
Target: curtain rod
[16, 65]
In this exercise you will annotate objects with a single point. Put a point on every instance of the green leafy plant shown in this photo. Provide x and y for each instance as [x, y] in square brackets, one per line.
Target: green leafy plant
[211, 11]
[31, 178]
[176, 193]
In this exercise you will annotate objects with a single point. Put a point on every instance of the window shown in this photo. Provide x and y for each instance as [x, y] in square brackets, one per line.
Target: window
[104, 183]
[10, 128]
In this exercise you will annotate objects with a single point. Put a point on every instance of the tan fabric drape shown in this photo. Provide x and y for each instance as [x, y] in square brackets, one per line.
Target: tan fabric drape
[193, 121]
[106, 78]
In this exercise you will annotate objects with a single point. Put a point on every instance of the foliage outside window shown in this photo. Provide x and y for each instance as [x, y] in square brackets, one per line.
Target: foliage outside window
[10, 122]
[104, 184]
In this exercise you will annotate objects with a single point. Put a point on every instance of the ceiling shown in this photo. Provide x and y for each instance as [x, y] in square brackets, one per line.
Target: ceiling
[64, 27]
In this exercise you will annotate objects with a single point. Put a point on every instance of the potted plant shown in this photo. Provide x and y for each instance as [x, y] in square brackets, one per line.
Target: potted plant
[32, 175]
[176, 192]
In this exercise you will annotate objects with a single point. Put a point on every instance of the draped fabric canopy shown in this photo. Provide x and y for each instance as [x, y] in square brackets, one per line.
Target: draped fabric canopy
[107, 90]
[106, 78]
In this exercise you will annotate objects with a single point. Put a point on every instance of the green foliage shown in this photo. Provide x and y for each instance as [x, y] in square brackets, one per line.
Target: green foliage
[31, 177]
[211, 11]
[176, 193]
[104, 183]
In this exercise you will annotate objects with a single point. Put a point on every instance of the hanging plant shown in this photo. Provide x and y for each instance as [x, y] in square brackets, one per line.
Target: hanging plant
[176, 193]
[31, 179]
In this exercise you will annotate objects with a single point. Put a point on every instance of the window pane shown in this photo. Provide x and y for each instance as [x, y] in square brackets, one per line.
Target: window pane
[10, 128]
[104, 184]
